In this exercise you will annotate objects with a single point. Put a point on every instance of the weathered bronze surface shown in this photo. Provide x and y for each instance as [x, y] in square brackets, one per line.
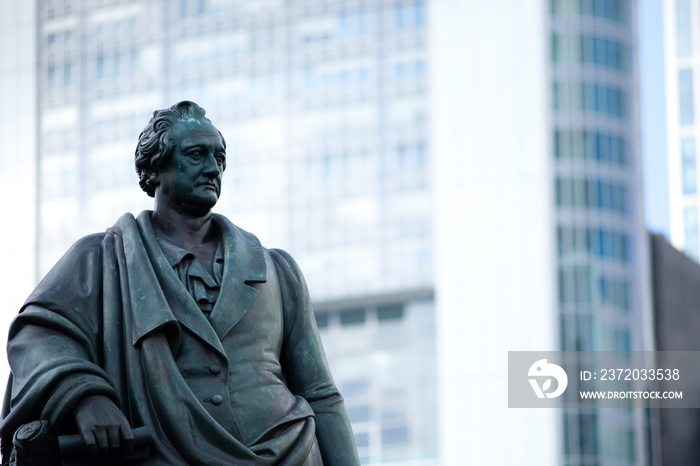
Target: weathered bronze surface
[179, 323]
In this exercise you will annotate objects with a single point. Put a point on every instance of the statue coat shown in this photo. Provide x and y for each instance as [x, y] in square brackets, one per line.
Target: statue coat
[249, 386]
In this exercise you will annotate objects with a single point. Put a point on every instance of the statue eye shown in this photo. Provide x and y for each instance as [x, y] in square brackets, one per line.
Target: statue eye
[196, 153]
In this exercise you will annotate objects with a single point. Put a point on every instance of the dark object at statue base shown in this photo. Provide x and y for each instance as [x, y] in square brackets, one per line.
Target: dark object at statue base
[35, 444]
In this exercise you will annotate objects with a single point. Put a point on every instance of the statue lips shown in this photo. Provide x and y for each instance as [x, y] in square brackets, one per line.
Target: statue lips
[210, 185]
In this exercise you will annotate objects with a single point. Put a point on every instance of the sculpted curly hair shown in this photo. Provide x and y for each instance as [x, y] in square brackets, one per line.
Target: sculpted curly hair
[156, 143]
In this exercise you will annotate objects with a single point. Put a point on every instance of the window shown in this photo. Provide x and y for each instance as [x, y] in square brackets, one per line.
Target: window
[689, 174]
[409, 16]
[589, 97]
[576, 48]
[361, 439]
[390, 312]
[358, 414]
[589, 145]
[322, 319]
[51, 77]
[612, 10]
[421, 154]
[394, 435]
[622, 340]
[605, 244]
[67, 74]
[191, 8]
[591, 193]
[352, 317]
[353, 24]
[587, 430]
[100, 67]
[410, 69]
[683, 27]
[685, 86]
[356, 388]
[576, 331]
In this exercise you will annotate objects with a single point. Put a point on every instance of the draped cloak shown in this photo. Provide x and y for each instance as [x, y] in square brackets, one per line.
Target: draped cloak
[250, 385]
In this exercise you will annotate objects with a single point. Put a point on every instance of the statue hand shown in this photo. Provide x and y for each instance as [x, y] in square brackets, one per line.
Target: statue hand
[104, 428]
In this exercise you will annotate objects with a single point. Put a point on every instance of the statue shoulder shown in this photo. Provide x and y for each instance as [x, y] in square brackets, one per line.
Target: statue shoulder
[94, 242]
[287, 268]
[90, 242]
[86, 254]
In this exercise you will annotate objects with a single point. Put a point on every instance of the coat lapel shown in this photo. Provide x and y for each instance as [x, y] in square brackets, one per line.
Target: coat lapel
[244, 265]
[179, 302]
[148, 303]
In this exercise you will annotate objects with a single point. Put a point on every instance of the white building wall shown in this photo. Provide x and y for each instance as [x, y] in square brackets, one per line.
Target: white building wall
[18, 161]
[672, 125]
[494, 244]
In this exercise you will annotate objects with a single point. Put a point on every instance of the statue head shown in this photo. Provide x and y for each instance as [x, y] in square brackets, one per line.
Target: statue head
[156, 141]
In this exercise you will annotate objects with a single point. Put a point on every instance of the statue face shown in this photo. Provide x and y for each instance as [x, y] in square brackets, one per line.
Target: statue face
[190, 181]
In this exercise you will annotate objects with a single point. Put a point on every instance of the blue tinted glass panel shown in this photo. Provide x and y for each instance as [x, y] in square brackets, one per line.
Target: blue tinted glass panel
[398, 17]
[100, 67]
[361, 439]
[685, 86]
[683, 27]
[390, 312]
[394, 435]
[624, 296]
[420, 14]
[352, 316]
[67, 75]
[322, 319]
[688, 166]
[51, 77]
[622, 340]
[354, 388]
[358, 413]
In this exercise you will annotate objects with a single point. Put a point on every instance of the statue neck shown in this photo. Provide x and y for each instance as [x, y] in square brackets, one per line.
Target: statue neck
[185, 231]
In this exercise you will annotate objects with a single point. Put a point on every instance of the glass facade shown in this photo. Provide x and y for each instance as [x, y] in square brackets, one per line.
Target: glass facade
[594, 162]
[616, 11]
[580, 48]
[590, 144]
[589, 97]
[324, 109]
[384, 364]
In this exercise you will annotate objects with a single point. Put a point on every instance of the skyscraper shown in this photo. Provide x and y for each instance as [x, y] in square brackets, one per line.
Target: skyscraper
[456, 179]
[537, 178]
[681, 26]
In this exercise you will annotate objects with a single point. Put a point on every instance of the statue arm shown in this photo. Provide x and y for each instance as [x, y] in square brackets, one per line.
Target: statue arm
[53, 344]
[306, 369]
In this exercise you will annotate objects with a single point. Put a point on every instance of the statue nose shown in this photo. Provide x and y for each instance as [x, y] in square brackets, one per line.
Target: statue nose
[211, 168]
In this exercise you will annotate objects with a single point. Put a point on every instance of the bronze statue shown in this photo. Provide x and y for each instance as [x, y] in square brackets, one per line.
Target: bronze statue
[181, 323]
